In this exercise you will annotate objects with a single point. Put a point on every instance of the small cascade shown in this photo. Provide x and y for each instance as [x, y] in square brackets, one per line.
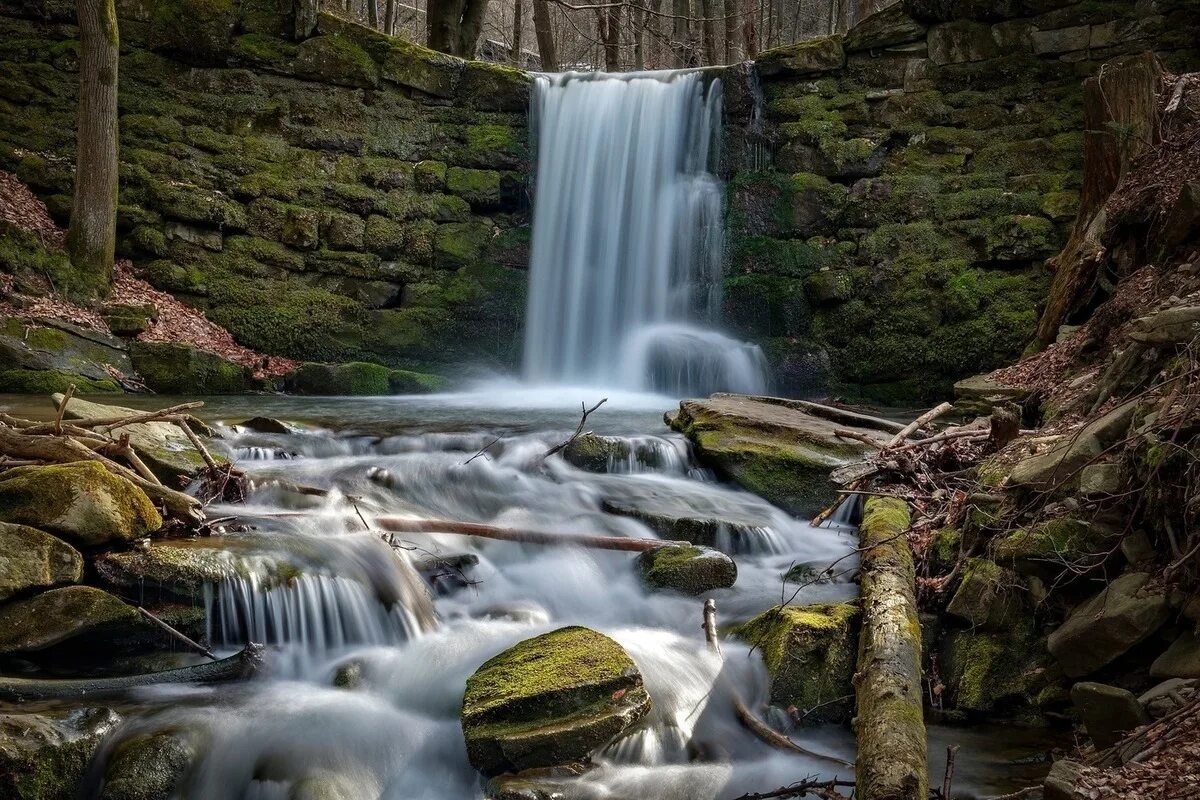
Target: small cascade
[628, 237]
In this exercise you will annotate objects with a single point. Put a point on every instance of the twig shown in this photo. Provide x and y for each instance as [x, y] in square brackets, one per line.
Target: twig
[58, 416]
[196, 443]
[482, 452]
[710, 626]
[857, 436]
[578, 429]
[948, 778]
[199, 648]
[919, 422]
[799, 789]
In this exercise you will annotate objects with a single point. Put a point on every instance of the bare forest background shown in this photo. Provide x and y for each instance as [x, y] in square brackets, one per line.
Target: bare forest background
[613, 35]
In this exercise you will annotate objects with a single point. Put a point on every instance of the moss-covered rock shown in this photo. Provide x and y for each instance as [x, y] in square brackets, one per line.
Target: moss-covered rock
[172, 368]
[35, 356]
[810, 653]
[337, 60]
[148, 766]
[811, 57]
[62, 615]
[404, 381]
[82, 501]
[686, 568]
[1052, 545]
[31, 559]
[355, 378]
[550, 700]
[989, 596]
[993, 672]
[596, 453]
[45, 755]
[129, 319]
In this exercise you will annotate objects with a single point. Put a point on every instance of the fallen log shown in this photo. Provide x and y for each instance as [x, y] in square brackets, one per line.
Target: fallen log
[920, 422]
[892, 749]
[240, 666]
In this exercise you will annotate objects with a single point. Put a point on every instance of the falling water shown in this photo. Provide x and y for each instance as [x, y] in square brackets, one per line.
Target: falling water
[628, 238]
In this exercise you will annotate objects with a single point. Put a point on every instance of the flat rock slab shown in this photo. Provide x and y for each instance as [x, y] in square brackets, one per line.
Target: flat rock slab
[60, 615]
[1102, 629]
[163, 446]
[776, 450]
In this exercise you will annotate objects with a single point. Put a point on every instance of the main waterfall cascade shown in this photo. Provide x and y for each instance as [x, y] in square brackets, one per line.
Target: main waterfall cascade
[628, 237]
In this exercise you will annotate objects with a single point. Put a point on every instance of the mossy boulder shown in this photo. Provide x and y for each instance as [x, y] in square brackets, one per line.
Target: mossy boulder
[354, 378]
[1098, 631]
[549, 700]
[596, 453]
[993, 672]
[989, 596]
[148, 766]
[1050, 546]
[778, 451]
[810, 653]
[337, 60]
[178, 569]
[810, 57]
[45, 756]
[164, 448]
[129, 319]
[81, 501]
[405, 381]
[686, 568]
[61, 615]
[35, 356]
[31, 559]
[173, 368]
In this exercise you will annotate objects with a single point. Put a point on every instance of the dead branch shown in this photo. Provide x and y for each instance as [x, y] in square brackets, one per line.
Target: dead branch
[62, 406]
[199, 648]
[578, 429]
[919, 422]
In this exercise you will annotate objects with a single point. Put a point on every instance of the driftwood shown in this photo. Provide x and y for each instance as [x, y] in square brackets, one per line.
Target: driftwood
[889, 725]
[192, 644]
[918, 423]
[237, 667]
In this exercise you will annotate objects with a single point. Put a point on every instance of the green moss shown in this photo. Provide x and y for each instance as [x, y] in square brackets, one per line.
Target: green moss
[686, 568]
[43, 382]
[403, 381]
[170, 368]
[461, 243]
[944, 550]
[264, 49]
[1055, 541]
[479, 187]
[993, 672]
[337, 60]
[354, 378]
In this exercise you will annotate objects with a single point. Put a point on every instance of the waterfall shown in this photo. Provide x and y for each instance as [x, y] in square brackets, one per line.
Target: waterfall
[628, 237]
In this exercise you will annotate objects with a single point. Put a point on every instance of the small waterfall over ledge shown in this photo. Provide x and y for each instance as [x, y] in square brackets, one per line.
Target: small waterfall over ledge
[628, 237]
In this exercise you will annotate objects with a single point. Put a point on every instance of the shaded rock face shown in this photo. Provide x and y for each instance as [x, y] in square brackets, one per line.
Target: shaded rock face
[359, 378]
[1181, 660]
[82, 501]
[31, 559]
[810, 653]
[686, 569]
[43, 358]
[989, 596]
[45, 756]
[170, 368]
[1107, 626]
[780, 453]
[550, 700]
[1108, 712]
[60, 615]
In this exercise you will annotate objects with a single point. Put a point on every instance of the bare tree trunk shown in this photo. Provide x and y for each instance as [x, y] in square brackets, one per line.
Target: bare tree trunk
[658, 59]
[608, 24]
[389, 18]
[638, 21]
[749, 30]
[373, 14]
[680, 31]
[92, 237]
[453, 26]
[712, 53]
[471, 27]
[518, 24]
[545, 35]
[731, 31]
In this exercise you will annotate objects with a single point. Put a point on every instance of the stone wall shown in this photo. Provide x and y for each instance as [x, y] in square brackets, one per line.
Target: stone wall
[894, 193]
[344, 196]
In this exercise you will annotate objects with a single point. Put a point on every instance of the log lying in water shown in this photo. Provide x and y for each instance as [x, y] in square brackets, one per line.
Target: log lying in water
[889, 723]
[626, 543]
[237, 667]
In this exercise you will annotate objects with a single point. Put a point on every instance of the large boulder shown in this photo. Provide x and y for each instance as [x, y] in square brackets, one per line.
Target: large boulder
[1182, 659]
[179, 569]
[48, 356]
[988, 671]
[686, 568]
[989, 595]
[1100, 630]
[60, 615]
[163, 447]
[810, 653]
[553, 699]
[1108, 712]
[773, 448]
[1063, 462]
[359, 378]
[32, 559]
[173, 368]
[148, 766]
[45, 756]
[82, 501]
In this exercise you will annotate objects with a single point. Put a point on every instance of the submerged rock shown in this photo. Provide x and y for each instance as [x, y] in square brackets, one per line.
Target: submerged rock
[32, 559]
[810, 653]
[163, 446]
[1100, 630]
[687, 569]
[1108, 712]
[148, 767]
[673, 518]
[266, 425]
[595, 453]
[550, 700]
[776, 450]
[82, 501]
[60, 615]
[45, 756]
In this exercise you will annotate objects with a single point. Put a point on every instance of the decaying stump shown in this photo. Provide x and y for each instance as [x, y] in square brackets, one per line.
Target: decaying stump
[889, 723]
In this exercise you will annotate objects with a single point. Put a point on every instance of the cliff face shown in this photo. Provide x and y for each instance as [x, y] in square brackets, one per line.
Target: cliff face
[894, 193]
[344, 196]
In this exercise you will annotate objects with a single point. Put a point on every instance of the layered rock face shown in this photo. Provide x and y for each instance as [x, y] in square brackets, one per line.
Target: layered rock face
[892, 194]
[328, 194]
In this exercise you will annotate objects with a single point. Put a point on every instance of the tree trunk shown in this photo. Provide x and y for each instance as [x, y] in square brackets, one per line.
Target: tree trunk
[656, 21]
[681, 31]
[373, 14]
[518, 24]
[1120, 118]
[638, 23]
[889, 725]
[453, 26]
[389, 18]
[730, 8]
[712, 53]
[471, 27]
[545, 35]
[92, 237]
[749, 30]
[608, 25]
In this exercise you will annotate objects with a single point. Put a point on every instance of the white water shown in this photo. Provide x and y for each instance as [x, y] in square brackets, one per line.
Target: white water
[628, 238]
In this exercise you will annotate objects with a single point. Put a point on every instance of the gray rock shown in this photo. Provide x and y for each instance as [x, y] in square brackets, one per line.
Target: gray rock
[961, 41]
[266, 425]
[60, 346]
[1100, 480]
[1167, 696]
[1182, 659]
[148, 767]
[1061, 462]
[989, 595]
[32, 559]
[1063, 40]
[1108, 712]
[60, 615]
[891, 26]
[1061, 782]
[44, 756]
[686, 568]
[1105, 627]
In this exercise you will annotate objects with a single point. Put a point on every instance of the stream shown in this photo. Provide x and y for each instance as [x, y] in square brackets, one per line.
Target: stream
[351, 605]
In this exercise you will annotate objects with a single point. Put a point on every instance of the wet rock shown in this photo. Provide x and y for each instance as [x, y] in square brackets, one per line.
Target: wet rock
[266, 425]
[989, 595]
[45, 756]
[172, 368]
[164, 448]
[325, 786]
[349, 675]
[810, 654]
[1182, 659]
[32, 559]
[553, 699]
[535, 784]
[687, 569]
[776, 450]
[81, 501]
[40, 358]
[1105, 627]
[524, 613]
[1063, 778]
[984, 671]
[359, 378]
[596, 453]
[1108, 712]
[60, 615]
[148, 767]
[676, 519]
